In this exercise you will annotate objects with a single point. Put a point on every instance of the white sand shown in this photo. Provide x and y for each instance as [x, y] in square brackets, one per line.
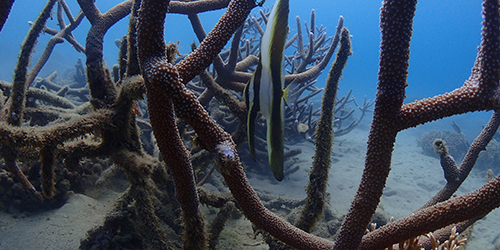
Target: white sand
[61, 228]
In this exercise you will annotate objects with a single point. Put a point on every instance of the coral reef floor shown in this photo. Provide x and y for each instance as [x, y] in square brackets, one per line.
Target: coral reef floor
[413, 180]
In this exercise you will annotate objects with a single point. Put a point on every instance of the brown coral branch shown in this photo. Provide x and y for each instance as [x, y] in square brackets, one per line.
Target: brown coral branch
[47, 172]
[5, 7]
[191, 7]
[17, 100]
[58, 38]
[465, 207]
[101, 87]
[217, 225]
[318, 176]
[157, 71]
[9, 157]
[56, 134]
[164, 85]
[18, 95]
[225, 97]
[132, 61]
[60, 21]
[479, 93]
[211, 45]
[396, 25]
[44, 95]
[456, 176]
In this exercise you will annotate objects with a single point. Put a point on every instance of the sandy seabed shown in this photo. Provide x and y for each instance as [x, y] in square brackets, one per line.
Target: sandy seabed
[414, 179]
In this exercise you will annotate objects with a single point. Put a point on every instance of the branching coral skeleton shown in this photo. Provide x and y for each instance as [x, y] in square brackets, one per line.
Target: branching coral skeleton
[112, 124]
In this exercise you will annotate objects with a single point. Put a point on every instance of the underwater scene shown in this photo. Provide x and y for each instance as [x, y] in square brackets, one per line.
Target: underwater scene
[243, 124]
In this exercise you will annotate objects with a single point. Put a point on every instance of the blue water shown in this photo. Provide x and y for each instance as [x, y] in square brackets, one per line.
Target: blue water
[443, 50]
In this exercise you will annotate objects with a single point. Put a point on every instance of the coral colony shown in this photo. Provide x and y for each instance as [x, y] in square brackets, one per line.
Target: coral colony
[51, 135]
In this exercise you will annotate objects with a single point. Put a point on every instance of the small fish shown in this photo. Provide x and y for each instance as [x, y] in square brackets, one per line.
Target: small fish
[264, 92]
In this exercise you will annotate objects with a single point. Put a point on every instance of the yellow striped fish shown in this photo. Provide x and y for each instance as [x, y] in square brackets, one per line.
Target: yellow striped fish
[264, 92]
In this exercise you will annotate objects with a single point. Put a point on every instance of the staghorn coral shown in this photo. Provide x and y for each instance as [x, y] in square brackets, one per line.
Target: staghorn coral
[115, 133]
[318, 177]
[396, 19]
[232, 67]
[456, 142]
